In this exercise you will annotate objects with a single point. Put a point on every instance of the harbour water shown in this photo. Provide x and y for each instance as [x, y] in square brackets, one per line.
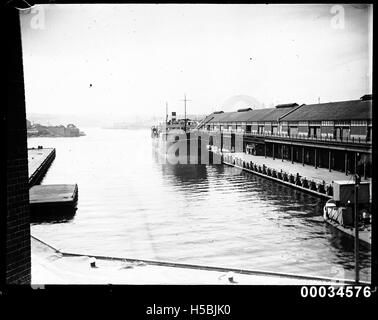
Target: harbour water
[131, 205]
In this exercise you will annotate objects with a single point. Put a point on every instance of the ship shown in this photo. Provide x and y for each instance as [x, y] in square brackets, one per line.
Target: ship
[162, 130]
[171, 136]
[167, 135]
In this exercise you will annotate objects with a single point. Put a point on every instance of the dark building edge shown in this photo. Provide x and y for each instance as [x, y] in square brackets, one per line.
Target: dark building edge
[15, 218]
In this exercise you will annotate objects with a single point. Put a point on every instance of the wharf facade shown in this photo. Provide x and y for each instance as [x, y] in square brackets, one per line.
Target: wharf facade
[335, 135]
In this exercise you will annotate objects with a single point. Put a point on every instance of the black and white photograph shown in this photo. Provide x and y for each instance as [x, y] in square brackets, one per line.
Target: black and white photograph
[190, 144]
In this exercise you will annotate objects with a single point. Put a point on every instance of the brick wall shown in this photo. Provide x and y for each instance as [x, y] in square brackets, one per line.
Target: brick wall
[18, 225]
[17, 235]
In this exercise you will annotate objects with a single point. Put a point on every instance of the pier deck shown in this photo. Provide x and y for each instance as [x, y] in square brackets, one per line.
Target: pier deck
[39, 161]
[53, 194]
[307, 171]
[311, 174]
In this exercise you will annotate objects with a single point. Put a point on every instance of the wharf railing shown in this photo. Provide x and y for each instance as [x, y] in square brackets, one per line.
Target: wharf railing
[282, 136]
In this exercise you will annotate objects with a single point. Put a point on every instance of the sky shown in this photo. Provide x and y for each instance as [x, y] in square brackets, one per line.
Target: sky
[129, 60]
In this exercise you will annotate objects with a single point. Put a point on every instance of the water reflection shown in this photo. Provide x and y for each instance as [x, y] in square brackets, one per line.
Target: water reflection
[51, 215]
[51, 219]
[301, 237]
[184, 174]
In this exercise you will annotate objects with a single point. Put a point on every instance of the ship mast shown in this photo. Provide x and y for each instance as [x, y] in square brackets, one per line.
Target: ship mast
[185, 100]
[166, 115]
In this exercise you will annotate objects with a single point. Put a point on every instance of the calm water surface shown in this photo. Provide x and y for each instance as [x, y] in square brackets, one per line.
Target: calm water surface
[132, 206]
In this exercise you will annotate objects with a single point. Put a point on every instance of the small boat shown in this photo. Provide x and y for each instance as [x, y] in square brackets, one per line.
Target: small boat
[341, 218]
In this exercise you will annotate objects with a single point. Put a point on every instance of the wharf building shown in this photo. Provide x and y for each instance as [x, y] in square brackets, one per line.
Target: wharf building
[334, 135]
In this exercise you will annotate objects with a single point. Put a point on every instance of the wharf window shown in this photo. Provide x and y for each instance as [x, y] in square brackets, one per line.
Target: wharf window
[293, 131]
[261, 129]
[248, 128]
[314, 131]
[369, 134]
[346, 132]
[342, 133]
[240, 127]
[283, 128]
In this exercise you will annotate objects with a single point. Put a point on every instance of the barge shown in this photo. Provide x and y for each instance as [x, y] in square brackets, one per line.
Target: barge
[53, 202]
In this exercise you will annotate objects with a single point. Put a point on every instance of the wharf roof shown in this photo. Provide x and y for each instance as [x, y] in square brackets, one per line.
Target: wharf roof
[342, 110]
[333, 111]
[269, 114]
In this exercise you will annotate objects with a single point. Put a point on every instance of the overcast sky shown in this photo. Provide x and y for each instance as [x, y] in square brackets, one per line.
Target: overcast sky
[131, 59]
